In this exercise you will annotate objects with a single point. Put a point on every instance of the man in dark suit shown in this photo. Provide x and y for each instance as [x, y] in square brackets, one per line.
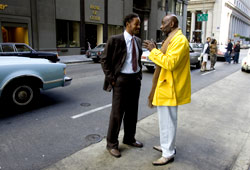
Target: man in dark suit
[229, 51]
[121, 64]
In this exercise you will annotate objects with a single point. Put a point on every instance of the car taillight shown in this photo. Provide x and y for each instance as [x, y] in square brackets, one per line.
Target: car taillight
[245, 63]
[143, 57]
[64, 71]
[99, 53]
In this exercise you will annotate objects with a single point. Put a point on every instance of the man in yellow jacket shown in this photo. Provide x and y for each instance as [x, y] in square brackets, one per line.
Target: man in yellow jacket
[171, 84]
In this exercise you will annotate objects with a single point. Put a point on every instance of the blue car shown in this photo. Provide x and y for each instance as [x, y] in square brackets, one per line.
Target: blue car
[22, 78]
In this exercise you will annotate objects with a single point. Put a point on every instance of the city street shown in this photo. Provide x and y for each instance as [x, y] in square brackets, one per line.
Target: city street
[71, 118]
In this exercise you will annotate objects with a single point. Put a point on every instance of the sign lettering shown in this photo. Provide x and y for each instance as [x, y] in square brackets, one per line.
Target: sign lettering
[95, 10]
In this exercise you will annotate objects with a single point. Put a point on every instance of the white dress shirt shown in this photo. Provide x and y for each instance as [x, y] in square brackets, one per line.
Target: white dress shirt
[127, 66]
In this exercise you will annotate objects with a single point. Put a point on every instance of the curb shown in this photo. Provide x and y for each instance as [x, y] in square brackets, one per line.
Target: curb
[76, 61]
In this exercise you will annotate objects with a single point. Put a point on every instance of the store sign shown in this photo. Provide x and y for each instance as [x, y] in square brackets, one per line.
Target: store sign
[3, 6]
[95, 10]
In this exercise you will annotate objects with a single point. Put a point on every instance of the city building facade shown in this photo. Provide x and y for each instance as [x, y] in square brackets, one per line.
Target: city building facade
[69, 26]
[227, 19]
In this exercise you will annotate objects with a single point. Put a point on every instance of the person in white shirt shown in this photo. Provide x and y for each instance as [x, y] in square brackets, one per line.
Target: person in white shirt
[205, 53]
[121, 64]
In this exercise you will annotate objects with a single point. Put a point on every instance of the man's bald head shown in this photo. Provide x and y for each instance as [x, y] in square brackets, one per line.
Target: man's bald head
[172, 18]
[169, 23]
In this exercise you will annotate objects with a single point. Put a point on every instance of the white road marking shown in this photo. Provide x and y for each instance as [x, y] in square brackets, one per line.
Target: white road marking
[91, 111]
[208, 72]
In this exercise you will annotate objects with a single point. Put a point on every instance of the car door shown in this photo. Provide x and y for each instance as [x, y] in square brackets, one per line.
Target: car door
[8, 50]
[193, 56]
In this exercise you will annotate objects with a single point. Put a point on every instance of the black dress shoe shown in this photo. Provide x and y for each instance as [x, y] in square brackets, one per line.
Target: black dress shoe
[135, 144]
[114, 152]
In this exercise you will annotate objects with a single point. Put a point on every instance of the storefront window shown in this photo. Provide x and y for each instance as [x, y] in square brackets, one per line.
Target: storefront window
[67, 34]
[11, 32]
[171, 6]
[179, 8]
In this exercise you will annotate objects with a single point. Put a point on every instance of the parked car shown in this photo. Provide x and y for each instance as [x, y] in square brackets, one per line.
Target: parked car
[151, 66]
[244, 46]
[21, 79]
[96, 52]
[221, 52]
[23, 50]
[197, 47]
[245, 63]
[145, 61]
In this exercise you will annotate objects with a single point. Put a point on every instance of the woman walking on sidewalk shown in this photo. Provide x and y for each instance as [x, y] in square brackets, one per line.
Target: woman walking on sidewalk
[213, 52]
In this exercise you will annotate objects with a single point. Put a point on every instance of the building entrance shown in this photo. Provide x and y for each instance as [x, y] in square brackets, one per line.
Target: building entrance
[12, 32]
[91, 36]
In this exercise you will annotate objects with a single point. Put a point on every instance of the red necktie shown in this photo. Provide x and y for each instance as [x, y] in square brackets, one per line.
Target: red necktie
[134, 59]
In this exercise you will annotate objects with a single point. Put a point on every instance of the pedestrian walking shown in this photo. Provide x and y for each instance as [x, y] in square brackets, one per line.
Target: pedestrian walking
[121, 64]
[171, 84]
[205, 53]
[229, 51]
[236, 52]
[213, 53]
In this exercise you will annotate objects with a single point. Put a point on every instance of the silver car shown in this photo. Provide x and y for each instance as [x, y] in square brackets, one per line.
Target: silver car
[197, 47]
[96, 52]
[150, 65]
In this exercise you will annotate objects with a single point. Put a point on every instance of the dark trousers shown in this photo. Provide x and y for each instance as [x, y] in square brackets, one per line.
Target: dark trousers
[125, 102]
[236, 57]
[228, 56]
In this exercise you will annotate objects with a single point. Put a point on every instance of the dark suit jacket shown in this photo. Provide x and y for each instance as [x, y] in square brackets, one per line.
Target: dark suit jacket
[229, 47]
[114, 57]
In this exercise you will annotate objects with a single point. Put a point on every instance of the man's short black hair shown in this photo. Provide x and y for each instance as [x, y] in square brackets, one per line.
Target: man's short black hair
[129, 18]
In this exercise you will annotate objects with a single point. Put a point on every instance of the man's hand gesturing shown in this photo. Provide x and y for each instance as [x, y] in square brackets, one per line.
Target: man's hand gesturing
[150, 45]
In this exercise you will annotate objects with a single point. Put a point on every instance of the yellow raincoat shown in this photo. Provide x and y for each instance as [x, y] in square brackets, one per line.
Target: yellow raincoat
[174, 82]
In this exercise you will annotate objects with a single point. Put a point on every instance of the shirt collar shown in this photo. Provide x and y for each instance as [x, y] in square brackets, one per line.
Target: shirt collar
[127, 36]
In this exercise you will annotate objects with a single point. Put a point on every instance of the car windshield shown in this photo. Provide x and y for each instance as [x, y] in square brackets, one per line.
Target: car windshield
[190, 49]
[144, 49]
[100, 46]
[195, 45]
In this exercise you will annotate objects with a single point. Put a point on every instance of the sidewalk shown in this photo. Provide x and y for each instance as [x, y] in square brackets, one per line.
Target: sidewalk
[74, 59]
[213, 134]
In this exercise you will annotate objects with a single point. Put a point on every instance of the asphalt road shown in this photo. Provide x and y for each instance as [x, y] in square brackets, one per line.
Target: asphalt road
[70, 118]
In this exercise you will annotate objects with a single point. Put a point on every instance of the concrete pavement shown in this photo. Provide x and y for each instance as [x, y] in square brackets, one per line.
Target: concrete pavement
[213, 134]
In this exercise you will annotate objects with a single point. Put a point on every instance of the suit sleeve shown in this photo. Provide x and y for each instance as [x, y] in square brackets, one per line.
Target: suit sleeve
[106, 61]
[173, 56]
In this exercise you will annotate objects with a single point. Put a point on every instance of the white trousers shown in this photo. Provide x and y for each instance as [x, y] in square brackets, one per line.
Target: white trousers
[168, 125]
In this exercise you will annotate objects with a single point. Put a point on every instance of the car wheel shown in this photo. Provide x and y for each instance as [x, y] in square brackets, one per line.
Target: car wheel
[198, 65]
[242, 69]
[150, 68]
[21, 95]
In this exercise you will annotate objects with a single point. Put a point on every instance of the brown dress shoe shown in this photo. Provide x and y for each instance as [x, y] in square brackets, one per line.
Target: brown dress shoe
[163, 161]
[135, 144]
[114, 152]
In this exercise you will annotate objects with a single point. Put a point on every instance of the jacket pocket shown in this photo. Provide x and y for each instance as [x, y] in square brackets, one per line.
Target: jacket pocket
[165, 90]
